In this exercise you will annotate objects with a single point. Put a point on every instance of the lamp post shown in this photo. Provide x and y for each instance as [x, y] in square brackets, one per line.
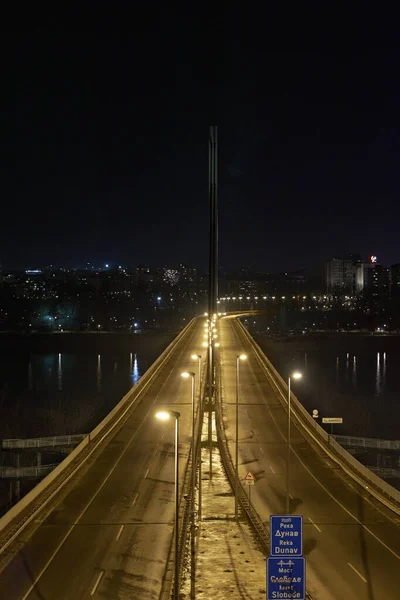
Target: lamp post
[239, 357]
[198, 357]
[295, 375]
[186, 375]
[164, 415]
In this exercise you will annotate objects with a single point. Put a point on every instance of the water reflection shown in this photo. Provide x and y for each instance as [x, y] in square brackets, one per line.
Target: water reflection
[30, 376]
[135, 371]
[337, 371]
[378, 374]
[384, 368]
[354, 376]
[347, 366]
[98, 378]
[59, 373]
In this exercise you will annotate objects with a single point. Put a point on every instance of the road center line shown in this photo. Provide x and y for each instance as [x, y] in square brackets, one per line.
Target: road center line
[272, 469]
[96, 585]
[261, 450]
[147, 472]
[315, 525]
[135, 498]
[119, 532]
[358, 573]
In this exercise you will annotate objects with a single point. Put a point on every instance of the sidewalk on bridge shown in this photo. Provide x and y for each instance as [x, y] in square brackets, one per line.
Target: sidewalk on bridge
[229, 563]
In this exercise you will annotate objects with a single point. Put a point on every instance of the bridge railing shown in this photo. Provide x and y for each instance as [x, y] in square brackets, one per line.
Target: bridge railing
[364, 442]
[22, 513]
[43, 442]
[384, 492]
[22, 472]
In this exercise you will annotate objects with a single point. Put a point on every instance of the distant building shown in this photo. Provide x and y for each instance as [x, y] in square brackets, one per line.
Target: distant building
[344, 275]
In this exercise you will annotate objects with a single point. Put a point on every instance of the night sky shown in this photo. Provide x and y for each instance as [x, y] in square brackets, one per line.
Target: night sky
[104, 142]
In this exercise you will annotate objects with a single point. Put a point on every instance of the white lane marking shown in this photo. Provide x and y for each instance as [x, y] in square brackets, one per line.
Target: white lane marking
[272, 469]
[147, 472]
[290, 496]
[378, 539]
[135, 498]
[358, 573]
[155, 452]
[119, 532]
[96, 585]
[162, 437]
[315, 525]
[60, 545]
[261, 450]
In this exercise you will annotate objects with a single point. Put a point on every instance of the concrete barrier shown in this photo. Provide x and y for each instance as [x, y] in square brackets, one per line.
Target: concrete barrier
[376, 486]
[92, 440]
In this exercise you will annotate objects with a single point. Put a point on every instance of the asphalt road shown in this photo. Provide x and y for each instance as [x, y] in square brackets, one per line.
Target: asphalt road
[110, 535]
[351, 541]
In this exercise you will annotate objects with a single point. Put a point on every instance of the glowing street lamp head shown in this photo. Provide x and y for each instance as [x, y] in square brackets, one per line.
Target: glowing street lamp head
[206, 314]
[196, 356]
[163, 415]
[187, 374]
[217, 344]
[205, 344]
[242, 356]
[297, 375]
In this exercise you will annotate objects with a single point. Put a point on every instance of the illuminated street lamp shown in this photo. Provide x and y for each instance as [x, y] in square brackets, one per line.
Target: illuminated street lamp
[198, 358]
[295, 375]
[239, 357]
[186, 375]
[164, 415]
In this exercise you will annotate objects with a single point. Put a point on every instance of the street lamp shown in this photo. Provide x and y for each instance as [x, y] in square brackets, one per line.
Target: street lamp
[239, 357]
[186, 375]
[164, 415]
[295, 375]
[198, 358]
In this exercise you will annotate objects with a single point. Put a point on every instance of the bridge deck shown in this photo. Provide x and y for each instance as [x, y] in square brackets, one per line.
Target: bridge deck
[109, 534]
[351, 542]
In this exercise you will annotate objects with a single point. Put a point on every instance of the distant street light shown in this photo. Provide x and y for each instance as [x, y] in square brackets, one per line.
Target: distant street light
[239, 357]
[164, 415]
[295, 375]
[186, 375]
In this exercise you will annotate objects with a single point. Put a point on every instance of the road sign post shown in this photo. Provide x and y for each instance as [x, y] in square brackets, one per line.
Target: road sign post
[332, 421]
[249, 481]
[286, 578]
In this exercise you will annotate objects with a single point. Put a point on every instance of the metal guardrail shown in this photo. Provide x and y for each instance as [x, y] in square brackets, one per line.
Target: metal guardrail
[22, 513]
[254, 519]
[364, 442]
[384, 492]
[21, 472]
[386, 472]
[43, 442]
[186, 494]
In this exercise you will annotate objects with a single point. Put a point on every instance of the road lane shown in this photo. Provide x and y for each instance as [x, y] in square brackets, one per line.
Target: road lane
[354, 528]
[72, 552]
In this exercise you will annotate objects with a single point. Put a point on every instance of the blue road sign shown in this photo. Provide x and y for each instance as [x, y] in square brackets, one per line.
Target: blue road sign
[286, 578]
[286, 535]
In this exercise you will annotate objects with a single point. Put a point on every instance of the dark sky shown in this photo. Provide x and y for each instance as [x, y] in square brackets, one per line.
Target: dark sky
[104, 141]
